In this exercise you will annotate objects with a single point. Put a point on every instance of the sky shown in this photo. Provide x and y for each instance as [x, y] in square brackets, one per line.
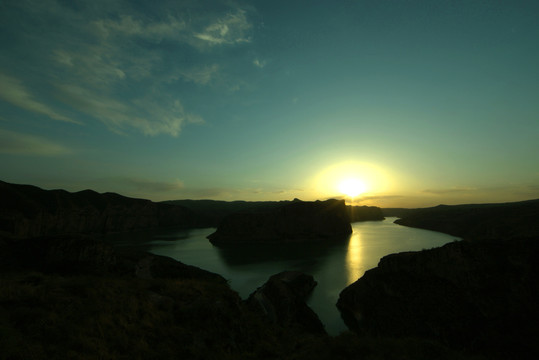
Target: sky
[419, 102]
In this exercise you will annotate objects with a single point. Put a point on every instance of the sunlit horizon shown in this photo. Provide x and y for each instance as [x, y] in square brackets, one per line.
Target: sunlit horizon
[270, 101]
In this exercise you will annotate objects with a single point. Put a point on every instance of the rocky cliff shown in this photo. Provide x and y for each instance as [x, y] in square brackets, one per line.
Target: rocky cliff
[477, 295]
[28, 211]
[291, 221]
[281, 300]
[481, 221]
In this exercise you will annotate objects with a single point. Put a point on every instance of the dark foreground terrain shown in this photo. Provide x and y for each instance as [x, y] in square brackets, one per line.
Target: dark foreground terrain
[66, 294]
[74, 297]
[479, 295]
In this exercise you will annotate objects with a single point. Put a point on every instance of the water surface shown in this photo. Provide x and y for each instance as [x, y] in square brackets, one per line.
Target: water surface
[334, 265]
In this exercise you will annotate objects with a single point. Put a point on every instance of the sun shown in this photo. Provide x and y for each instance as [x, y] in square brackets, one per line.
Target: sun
[351, 187]
[351, 179]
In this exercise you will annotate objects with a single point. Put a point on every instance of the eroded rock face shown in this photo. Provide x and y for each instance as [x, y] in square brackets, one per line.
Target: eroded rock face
[478, 295]
[292, 221]
[28, 211]
[281, 300]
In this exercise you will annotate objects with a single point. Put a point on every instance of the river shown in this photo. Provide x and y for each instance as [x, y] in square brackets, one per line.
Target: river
[333, 265]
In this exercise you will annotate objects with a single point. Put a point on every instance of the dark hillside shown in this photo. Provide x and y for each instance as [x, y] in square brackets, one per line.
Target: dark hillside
[479, 221]
[28, 211]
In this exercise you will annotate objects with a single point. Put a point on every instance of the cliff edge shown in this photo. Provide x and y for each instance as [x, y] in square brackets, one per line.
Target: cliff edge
[476, 295]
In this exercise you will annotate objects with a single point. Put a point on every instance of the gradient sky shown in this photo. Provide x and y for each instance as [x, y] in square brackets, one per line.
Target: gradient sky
[426, 102]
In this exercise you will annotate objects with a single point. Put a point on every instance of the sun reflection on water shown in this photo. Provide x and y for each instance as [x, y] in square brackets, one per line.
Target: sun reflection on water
[354, 258]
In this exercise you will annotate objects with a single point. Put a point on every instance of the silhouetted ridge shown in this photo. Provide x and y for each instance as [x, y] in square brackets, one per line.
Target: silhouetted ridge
[28, 211]
[365, 213]
[210, 213]
[478, 221]
[290, 221]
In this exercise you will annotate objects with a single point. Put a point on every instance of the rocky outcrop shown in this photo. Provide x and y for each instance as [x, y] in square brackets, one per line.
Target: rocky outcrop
[291, 221]
[150, 266]
[281, 300]
[482, 221]
[365, 213]
[477, 295]
[28, 211]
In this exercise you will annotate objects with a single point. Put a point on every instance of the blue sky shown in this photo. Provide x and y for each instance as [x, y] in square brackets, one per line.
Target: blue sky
[425, 102]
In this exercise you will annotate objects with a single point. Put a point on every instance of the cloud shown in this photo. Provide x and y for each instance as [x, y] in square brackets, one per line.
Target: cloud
[369, 198]
[381, 197]
[152, 30]
[233, 28]
[141, 184]
[232, 194]
[13, 91]
[119, 63]
[96, 66]
[453, 190]
[259, 63]
[201, 75]
[15, 143]
[149, 115]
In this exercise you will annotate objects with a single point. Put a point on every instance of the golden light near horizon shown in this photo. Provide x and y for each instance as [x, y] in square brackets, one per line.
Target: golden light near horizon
[351, 187]
[352, 179]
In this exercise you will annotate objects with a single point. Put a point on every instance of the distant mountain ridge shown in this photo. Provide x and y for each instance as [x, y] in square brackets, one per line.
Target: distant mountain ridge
[478, 221]
[28, 211]
[212, 212]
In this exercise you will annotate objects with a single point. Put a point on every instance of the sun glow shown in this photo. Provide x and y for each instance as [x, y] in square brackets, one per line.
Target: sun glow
[351, 187]
[351, 179]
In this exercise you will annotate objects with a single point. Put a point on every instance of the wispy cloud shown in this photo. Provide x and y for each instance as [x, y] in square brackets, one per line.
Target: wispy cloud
[259, 63]
[230, 194]
[144, 185]
[452, 190]
[201, 75]
[118, 64]
[152, 30]
[233, 28]
[369, 198]
[96, 66]
[13, 91]
[148, 115]
[15, 143]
